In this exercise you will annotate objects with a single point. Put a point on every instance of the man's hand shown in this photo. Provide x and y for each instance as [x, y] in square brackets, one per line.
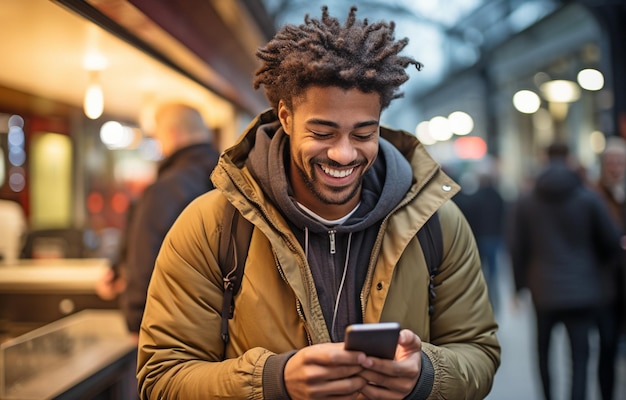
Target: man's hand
[328, 370]
[393, 379]
[325, 370]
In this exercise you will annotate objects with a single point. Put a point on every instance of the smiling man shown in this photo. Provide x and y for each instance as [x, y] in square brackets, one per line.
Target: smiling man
[336, 202]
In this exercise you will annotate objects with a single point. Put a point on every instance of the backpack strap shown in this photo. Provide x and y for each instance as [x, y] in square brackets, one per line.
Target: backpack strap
[232, 253]
[431, 240]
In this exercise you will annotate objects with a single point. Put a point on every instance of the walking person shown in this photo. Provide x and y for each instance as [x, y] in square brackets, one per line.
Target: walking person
[485, 210]
[561, 237]
[611, 320]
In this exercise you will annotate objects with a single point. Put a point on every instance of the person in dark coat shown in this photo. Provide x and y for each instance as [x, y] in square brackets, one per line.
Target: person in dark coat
[485, 209]
[183, 175]
[612, 322]
[561, 237]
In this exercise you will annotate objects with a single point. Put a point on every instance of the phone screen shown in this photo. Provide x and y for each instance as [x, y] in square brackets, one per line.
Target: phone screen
[375, 340]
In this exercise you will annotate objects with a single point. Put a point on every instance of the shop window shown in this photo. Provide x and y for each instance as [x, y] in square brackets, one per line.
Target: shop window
[51, 181]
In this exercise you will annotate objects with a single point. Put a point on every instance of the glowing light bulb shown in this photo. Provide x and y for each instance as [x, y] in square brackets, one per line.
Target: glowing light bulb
[526, 101]
[93, 105]
[591, 79]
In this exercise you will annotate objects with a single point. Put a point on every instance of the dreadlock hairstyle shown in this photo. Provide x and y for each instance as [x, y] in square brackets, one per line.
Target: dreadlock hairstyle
[325, 53]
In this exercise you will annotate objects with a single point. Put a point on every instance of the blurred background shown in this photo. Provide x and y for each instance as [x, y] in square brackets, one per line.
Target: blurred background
[80, 79]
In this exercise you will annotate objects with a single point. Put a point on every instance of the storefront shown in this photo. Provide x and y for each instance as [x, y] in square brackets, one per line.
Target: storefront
[74, 67]
[79, 83]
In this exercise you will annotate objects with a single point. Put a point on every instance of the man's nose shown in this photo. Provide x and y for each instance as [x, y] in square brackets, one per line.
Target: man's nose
[342, 151]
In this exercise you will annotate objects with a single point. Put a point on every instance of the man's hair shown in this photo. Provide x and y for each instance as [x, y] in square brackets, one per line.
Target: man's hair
[557, 151]
[322, 52]
[185, 118]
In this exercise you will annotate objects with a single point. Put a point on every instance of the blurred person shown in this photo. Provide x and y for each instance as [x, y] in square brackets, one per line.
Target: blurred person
[561, 237]
[13, 231]
[336, 202]
[612, 180]
[483, 206]
[612, 186]
[183, 174]
[611, 321]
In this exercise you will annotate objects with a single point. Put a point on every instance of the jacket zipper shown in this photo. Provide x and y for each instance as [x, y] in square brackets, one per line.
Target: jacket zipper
[333, 243]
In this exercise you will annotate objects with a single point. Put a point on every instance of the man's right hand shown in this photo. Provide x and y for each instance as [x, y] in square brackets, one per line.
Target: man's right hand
[324, 370]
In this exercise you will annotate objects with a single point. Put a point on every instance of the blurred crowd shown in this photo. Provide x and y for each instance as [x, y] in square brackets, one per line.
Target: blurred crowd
[562, 237]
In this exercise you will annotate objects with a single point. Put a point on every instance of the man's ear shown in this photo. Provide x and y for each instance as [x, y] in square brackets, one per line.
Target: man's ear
[285, 117]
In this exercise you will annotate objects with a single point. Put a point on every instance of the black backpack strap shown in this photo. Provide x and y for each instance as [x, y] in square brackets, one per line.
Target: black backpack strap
[431, 240]
[232, 254]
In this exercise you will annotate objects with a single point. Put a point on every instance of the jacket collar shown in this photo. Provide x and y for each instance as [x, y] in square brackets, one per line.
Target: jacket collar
[430, 182]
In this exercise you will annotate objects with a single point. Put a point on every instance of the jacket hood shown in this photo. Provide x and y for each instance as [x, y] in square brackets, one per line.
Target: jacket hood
[557, 182]
[384, 184]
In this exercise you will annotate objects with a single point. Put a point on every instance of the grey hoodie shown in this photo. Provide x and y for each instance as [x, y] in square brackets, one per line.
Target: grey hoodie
[384, 185]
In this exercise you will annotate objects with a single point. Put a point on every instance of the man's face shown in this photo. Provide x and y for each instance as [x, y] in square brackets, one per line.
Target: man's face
[333, 140]
[164, 136]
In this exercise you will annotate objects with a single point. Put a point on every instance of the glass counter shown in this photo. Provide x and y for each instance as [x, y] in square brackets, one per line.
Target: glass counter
[36, 292]
[77, 356]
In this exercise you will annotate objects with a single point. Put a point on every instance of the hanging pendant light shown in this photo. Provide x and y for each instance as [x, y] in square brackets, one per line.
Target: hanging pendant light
[93, 104]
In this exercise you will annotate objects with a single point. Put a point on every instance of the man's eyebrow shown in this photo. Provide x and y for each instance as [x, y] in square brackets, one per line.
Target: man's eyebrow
[317, 121]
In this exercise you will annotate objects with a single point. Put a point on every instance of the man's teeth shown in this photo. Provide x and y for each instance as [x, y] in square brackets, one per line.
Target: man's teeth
[335, 173]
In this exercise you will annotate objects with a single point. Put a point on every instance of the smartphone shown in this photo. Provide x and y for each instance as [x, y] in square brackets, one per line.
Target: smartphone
[375, 340]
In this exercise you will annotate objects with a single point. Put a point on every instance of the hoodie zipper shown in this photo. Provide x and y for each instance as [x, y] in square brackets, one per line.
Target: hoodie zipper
[333, 242]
